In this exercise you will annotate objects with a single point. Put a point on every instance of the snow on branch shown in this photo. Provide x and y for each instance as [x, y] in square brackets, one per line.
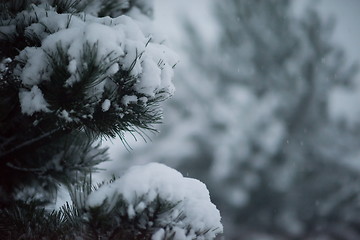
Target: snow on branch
[172, 206]
[85, 69]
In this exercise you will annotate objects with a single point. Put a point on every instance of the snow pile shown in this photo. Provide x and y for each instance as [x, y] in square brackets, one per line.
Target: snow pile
[192, 217]
[32, 101]
[120, 44]
[106, 105]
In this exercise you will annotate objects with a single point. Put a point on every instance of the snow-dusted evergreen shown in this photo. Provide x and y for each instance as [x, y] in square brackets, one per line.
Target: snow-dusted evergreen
[72, 72]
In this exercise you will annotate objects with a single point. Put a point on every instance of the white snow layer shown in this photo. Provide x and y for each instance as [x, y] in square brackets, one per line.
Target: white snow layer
[118, 39]
[157, 180]
[106, 105]
[32, 101]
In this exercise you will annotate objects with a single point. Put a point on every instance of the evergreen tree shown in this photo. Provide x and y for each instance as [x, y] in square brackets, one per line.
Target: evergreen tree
[73, 73]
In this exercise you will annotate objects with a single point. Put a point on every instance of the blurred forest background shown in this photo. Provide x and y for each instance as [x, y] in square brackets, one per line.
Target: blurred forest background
[266, 113]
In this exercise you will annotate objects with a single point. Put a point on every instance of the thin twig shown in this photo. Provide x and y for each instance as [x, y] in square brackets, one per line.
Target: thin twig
[29, 143]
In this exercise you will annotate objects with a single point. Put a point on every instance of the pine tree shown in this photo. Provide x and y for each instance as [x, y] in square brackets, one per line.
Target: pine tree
[74, 73]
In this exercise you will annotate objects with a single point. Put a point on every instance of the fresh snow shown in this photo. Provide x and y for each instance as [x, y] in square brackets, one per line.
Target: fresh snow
[120, 40]
[65, 115]
[157, 180]
[72, 66]
[3, 64]
[105, 105]
[129, 99]
[32, 101]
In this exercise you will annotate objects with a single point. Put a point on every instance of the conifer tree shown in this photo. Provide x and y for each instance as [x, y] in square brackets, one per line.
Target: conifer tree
[71, 74]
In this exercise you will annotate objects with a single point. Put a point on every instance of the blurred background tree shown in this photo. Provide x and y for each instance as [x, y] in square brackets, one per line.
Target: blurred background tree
[256, 118]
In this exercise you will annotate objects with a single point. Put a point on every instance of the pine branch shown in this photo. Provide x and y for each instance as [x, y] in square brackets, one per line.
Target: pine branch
[60, 105]
[6, 156]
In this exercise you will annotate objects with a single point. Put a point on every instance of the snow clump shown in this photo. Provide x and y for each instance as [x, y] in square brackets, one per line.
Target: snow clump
[32, 101]
[193, 216]
[119, 42]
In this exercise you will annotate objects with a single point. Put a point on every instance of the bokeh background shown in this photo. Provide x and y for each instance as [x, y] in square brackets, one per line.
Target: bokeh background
[266, 114]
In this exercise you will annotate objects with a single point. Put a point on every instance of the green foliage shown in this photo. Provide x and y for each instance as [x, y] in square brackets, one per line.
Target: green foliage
[28, 144]
[41, 150]
[114, 8]
[62, 160]
[28, 220]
